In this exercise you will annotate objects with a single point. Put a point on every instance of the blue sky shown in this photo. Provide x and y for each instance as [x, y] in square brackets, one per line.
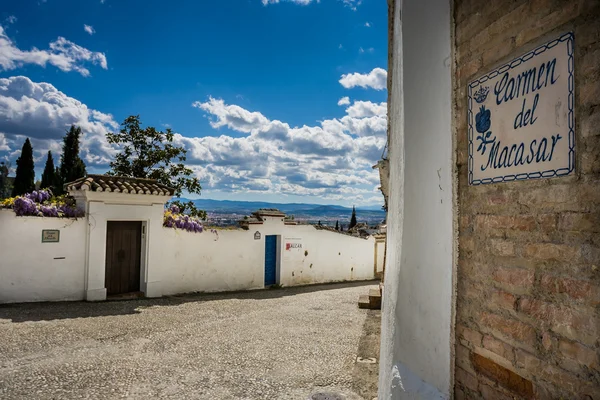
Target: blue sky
[251, 87]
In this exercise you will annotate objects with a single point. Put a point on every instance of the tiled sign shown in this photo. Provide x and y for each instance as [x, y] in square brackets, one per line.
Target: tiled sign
[521, 117]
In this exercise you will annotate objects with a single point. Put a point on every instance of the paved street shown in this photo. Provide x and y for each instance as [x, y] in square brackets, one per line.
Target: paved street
[270, 344]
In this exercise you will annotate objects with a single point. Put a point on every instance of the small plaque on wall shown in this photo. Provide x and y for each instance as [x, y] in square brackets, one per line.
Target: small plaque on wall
[257, 235]
[50, 235]
[521, 117]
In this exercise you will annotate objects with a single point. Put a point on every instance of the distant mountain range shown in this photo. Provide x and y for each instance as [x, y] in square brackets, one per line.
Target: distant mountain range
[328, 214]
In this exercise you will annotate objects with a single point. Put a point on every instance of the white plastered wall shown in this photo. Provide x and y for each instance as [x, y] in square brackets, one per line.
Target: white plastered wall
[232, 259]
[417, 319]
[34, 271]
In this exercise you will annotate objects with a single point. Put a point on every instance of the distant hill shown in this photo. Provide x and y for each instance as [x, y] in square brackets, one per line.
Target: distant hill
[311, 213]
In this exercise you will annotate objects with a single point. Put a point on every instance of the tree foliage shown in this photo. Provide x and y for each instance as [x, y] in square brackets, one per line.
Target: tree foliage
[352, 219]
[149, 153]
[48, 176]
[72, 166]
[25, 176]
[337, 225]
[5, 182]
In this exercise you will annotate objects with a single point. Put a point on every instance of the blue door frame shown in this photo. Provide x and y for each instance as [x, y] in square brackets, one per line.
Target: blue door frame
[270, 260]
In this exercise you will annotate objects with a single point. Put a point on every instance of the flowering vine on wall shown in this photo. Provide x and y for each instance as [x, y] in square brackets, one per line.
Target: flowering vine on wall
[174, 218]
[41, 203]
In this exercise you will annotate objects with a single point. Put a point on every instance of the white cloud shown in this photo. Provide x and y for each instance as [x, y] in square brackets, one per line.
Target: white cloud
[363, 109]
[376, 79]
[43, 113]
[344, 101]
[326, 160]
[63, 54]
[361, 50]
[11, 19]
[352, 4]
[3, 143]
[232, 116]
[368, 24]
[89, 29]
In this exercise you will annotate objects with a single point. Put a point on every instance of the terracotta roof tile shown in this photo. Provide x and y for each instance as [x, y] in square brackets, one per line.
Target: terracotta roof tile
[120, 184]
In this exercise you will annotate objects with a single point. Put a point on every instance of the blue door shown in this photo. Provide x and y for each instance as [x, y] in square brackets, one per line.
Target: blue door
[270, 260]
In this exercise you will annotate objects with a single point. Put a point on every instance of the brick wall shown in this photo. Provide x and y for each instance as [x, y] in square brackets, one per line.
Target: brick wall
[528, 288]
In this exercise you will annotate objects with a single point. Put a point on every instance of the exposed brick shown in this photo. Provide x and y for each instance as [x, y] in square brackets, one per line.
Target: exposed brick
[547, 222]
[496, 53]
[470, 335]
[554, 197]
[503, 300]
[590, 62]
[526, 360]
[462, 358]
[505, 377]
[518, 279]
[574, 288]
[466, 379]
[582, 354]
[467, 70]
[498, 198]
[551, 251]
[509, 327]
[547, 340]
[489, 392]
[519, 222]
[503, 248]
[561, 377]
[494, 345]
[582, 222]
[590, 126]
[540, 26]
[466, 243]
[589, 93]
[571, 323]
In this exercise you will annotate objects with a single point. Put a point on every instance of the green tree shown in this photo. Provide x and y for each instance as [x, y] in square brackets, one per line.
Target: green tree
[48, 176]
[352, 219]
[71, 165]
[148, 153]
[25, 177]
[337, 225]
[5, 182]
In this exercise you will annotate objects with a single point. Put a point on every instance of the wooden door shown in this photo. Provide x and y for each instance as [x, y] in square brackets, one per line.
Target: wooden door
[123, 255]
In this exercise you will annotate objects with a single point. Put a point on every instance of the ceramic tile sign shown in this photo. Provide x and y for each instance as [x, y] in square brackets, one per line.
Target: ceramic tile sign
[521, 117]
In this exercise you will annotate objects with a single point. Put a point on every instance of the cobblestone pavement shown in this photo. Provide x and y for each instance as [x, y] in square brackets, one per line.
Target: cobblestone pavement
[271, 344]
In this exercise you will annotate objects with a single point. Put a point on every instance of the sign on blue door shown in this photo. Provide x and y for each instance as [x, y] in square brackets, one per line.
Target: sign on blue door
[270, 260]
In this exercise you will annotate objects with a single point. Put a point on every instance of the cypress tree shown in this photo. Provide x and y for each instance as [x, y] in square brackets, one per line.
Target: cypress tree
[48, 177]
[25, 177]
[337, 225]
[71, 165]
[352, 219]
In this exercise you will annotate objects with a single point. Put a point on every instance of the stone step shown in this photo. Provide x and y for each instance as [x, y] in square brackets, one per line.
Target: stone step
[375, 299]
[363, 301]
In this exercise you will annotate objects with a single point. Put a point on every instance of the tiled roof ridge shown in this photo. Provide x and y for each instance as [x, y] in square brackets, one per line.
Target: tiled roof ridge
[119, 184]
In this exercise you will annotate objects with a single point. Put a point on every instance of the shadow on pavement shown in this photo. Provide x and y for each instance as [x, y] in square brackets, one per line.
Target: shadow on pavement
[48, 311]
[365, 374]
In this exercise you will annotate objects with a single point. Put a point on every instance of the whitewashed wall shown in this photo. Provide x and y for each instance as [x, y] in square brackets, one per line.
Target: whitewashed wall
[234, 260]
[416, 335]
[34, 271]
[324, 257]
[205, 262]
[173, 261]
